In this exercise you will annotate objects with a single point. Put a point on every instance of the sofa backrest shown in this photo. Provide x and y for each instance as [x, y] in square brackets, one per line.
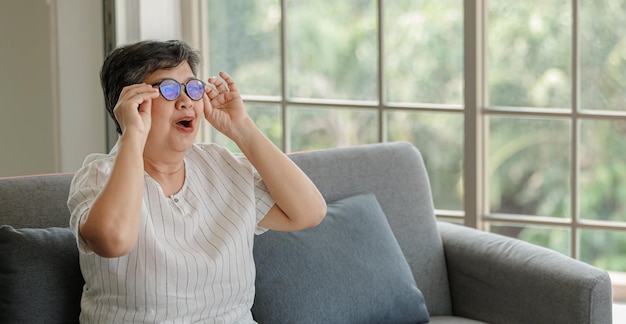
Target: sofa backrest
[38, 201]
[394, 172]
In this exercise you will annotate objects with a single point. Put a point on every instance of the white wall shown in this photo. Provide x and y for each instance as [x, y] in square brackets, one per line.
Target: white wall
[51, 51]
[148, 19]
[28, 125]
[80, 48]
[160, 19]
[52, 107]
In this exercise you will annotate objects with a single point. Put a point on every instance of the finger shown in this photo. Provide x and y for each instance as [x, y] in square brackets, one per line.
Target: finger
[133, 98]
[219, 84]
[229, 81]
[146, 105]
[137, 94]
[209, 86]
[145, 112]
[208, 108]
[211, 91]
[137, 89]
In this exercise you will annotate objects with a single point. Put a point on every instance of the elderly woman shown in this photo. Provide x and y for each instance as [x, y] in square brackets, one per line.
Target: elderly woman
[165, 226]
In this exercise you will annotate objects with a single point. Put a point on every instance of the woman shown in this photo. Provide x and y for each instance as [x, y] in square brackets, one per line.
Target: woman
[165, 226]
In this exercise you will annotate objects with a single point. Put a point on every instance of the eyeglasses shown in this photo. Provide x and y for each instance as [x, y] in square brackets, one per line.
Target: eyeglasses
[170, 89]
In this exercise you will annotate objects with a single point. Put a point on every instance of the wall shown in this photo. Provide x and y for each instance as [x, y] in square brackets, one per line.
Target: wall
[28, 126]
[137, 20]
[52, 107]
[80, 48]
[51, 52]
[148, 19]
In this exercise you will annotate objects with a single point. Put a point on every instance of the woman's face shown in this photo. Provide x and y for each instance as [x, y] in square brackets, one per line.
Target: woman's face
[175, 124]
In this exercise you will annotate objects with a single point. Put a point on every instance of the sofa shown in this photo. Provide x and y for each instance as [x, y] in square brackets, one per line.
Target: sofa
[379, 256]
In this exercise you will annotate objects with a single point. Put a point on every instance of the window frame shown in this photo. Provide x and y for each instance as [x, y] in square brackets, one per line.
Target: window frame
[476, 113]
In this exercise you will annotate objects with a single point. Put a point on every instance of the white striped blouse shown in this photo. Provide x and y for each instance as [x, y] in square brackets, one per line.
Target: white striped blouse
[193, 259]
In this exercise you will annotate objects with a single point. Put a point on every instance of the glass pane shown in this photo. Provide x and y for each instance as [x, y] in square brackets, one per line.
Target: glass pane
[332, 49]
[321, 128]
[267, 118]
[244, 40]
[603, 54]
[439, 137]
[602, 169]
[529, 53]
[604, 249]
[529, 166]
[554, 238]
[423, 51]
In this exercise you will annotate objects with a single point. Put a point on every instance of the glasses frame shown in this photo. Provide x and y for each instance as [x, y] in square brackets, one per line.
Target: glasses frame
[158, 84]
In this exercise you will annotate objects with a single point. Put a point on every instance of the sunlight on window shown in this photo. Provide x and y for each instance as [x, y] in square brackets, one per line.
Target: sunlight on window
[330, 74]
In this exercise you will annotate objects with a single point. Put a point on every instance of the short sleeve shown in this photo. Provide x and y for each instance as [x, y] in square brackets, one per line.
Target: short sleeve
[264, 201]
[243, 171]
[85, 187]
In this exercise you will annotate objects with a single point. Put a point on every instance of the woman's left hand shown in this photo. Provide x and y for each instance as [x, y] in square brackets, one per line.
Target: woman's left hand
[223, 106]
[299, 204]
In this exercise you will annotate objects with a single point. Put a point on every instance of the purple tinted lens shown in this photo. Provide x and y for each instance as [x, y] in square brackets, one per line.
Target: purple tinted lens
[170, 89]
[195, 89]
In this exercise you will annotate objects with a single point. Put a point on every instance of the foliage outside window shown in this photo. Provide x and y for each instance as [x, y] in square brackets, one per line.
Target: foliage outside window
[320, 74]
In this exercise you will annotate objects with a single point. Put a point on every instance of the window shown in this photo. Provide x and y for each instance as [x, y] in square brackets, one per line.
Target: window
[519, 107]
[320, 74]
[555, 124]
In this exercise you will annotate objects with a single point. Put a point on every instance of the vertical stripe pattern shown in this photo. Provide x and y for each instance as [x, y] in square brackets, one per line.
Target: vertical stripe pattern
[193, 258]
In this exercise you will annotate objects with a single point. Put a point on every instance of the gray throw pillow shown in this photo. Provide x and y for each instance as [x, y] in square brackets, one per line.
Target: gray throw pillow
[348, 269]
[40, 278]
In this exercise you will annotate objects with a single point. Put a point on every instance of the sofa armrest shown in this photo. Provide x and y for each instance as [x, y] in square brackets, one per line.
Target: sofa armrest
[498, 279]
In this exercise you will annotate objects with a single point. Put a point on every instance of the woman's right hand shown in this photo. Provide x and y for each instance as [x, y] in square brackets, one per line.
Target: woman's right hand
[111, 226]
[134, 107]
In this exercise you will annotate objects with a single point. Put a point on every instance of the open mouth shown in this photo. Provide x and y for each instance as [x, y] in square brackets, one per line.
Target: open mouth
[185, 122]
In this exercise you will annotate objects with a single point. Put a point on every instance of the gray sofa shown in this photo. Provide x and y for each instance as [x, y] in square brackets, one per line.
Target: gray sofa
[350, 269]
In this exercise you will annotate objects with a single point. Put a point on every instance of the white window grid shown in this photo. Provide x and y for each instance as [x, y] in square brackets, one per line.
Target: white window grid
[475, 111]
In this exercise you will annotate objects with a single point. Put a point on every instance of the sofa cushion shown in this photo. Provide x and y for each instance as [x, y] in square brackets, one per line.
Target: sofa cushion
[348, 269]
[40, 276]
